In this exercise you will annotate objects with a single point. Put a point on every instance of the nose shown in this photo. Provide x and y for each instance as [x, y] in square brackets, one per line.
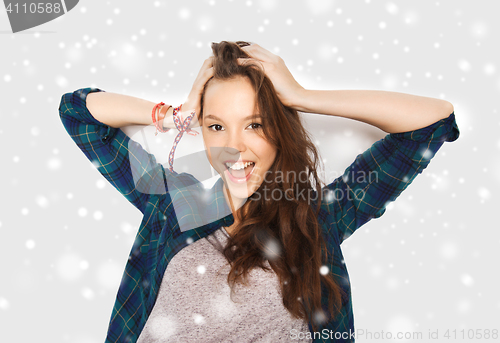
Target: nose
[235, 143]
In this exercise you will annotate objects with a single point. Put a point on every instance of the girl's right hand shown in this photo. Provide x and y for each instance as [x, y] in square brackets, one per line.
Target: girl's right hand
[193, 102]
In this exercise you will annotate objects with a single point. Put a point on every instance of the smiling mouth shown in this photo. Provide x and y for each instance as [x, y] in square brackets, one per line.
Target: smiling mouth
[240, 171]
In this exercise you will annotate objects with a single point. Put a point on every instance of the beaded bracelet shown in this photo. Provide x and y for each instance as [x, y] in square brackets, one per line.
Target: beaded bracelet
[181, 125]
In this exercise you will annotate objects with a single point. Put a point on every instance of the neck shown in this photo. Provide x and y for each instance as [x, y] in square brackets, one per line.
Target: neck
[236, 205]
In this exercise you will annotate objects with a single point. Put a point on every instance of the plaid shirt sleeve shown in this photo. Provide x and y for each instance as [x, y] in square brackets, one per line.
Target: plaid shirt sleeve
[122, 161]
[381, 173]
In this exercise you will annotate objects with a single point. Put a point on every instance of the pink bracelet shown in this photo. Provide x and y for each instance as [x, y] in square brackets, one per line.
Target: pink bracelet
[155, 122]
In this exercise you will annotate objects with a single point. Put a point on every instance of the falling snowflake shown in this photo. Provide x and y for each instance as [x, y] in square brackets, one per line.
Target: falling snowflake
[30, 244]
[467, 280]
[272, 249]
[198, 319]
[4, 303]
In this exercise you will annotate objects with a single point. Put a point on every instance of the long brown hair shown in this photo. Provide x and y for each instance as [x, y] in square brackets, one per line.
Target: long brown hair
[288, 226]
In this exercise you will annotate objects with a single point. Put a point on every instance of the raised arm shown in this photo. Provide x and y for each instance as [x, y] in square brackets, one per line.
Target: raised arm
[417, 126]
[124, 163]
[119, 110]
[380, 174]
[93, 119]
[391, 112]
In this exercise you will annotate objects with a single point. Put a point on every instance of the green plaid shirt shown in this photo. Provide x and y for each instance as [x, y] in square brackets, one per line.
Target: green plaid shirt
[178, 210]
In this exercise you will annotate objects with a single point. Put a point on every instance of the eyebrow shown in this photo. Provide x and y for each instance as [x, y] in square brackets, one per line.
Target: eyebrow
[214, 117]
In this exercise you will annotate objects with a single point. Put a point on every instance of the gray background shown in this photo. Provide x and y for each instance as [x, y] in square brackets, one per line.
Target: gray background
[429, 263]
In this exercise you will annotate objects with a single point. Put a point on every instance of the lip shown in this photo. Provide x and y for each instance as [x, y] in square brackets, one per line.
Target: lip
[236, 180]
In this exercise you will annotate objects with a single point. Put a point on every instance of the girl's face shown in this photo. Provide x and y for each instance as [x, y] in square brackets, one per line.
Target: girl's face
[233, 138]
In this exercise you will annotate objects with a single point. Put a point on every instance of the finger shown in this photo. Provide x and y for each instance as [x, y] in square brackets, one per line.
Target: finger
[209, 73]
[258, 52]
[260, 64]
[243, 60]
[208, 62]
[203, 78]
[253, 60]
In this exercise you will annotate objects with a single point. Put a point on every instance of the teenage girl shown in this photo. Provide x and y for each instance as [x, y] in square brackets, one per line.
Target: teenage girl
[257, 258]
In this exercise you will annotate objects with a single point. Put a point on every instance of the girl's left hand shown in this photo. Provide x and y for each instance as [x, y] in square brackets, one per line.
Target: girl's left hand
[287, 88]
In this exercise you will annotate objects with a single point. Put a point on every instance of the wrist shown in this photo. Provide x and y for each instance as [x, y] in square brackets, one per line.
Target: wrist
[300, 101]
[165, 118]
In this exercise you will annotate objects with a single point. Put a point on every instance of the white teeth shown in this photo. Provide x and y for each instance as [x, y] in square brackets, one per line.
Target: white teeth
[238, 165]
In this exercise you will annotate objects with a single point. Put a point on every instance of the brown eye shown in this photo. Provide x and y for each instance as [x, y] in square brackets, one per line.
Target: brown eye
[255, 126]
[215, 127]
